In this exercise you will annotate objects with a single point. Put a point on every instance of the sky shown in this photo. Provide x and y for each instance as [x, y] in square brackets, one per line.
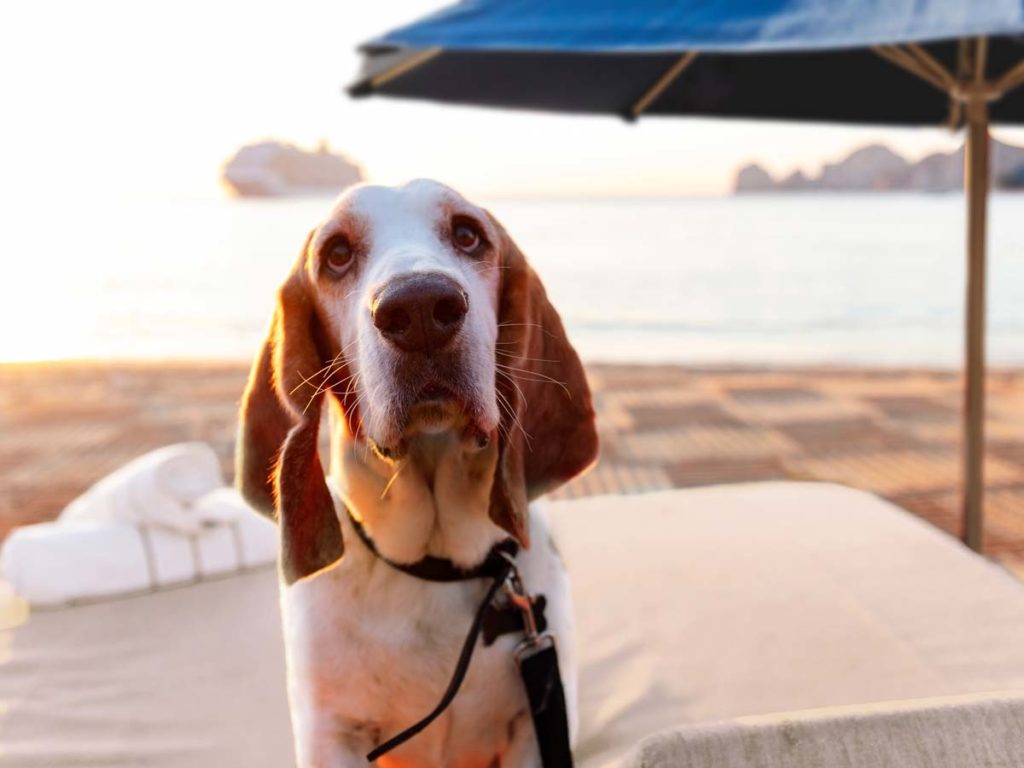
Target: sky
[148, 100]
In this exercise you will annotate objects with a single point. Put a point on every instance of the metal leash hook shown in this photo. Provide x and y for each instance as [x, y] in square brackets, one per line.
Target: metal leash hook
[537, 659]
[515, 591]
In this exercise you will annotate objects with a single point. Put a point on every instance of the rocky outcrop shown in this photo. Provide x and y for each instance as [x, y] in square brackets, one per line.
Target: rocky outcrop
[276, 169]
[754, 178]
[871, 167]
[796, 181]
[877, 167]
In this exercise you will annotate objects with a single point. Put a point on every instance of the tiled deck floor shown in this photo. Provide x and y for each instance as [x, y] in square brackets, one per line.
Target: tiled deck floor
[892, 432]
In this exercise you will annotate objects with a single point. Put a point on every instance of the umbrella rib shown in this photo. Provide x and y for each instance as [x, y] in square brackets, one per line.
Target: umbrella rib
[909, 63]
[662, 83]
[932, 64]
[1010, 79]
[404, 66]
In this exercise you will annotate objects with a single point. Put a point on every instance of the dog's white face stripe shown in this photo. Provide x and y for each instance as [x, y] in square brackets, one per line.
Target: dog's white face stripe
[398, 232]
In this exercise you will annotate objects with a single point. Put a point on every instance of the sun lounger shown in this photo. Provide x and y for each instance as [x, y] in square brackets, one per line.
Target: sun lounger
[704, 616]
[701, 606]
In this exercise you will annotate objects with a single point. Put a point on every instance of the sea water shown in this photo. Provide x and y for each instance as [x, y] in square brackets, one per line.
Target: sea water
[778, 279]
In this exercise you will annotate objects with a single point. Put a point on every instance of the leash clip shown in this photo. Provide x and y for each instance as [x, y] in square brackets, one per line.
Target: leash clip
[537, 660]
[515, 591]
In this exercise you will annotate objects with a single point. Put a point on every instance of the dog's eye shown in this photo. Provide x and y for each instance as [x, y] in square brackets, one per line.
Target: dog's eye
[466, 236]
[337, 254]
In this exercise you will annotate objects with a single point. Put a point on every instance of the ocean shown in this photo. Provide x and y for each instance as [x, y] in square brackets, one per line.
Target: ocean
[842, 279]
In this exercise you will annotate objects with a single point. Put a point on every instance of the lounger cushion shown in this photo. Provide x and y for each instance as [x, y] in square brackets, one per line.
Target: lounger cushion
[187, 677]
[694, 608]
[714, 603]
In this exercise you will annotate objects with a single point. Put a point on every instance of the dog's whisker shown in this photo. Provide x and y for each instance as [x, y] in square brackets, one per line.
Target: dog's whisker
[516, 423]
[357, 406]
[352, 381]
[542, 329]
[307, 379]
[503, 405]
[539, 377]
[322, 388]
[375, 397]
[528, 359]
[391, 480]
[339, 362]
[522, 395]
[512, 415]
[513, 420]
[328, 384]
[527, 371]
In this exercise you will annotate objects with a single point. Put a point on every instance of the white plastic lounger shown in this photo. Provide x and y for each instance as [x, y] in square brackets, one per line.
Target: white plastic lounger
[702, 615]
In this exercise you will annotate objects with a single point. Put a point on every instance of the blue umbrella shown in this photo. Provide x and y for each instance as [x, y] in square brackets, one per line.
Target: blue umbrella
[899, 62]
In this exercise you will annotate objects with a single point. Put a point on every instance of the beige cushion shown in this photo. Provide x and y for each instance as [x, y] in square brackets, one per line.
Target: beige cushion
[191, 677]
[693, 607]
[707, 604]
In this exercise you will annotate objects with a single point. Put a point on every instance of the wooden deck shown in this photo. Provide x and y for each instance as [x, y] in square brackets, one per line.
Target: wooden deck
[895, 433]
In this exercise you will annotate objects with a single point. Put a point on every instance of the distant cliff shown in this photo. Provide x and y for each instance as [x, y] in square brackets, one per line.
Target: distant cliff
[275, 169]
[876, 167]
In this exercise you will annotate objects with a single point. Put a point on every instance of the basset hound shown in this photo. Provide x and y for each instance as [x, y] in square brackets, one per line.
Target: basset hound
[453, 400]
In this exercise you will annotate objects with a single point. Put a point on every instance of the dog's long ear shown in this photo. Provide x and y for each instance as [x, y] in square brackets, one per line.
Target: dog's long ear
[548, 434]
[277, 463]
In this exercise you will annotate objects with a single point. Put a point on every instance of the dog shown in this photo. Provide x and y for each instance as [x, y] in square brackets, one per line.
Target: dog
[453, 400]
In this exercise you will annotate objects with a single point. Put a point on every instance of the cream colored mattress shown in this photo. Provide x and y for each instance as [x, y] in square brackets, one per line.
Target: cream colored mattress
[694, 608]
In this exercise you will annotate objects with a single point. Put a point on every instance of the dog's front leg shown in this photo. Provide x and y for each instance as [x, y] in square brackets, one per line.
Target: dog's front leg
[324, 743]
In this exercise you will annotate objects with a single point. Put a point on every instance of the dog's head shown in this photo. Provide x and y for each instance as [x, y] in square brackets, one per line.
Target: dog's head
[413, 310]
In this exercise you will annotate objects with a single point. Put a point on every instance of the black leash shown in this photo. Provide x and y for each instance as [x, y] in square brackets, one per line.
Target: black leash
[536, 656]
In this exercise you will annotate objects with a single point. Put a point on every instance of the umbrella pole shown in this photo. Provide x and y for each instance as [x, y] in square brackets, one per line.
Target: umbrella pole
[970, 95]
[976, 181]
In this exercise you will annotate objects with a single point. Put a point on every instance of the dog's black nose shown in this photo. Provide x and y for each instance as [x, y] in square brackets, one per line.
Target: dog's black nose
[420, 312]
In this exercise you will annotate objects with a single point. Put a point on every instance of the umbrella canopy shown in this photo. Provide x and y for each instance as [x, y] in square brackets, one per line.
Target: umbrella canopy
[601, 56]
[899, 62]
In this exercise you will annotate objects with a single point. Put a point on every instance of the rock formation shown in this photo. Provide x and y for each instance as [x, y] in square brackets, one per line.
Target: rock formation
[877, 167]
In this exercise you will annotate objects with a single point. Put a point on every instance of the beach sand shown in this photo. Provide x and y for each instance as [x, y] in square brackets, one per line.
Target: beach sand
[892, 432]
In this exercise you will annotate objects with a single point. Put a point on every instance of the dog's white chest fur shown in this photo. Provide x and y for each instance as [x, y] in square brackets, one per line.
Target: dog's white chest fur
[371, 650]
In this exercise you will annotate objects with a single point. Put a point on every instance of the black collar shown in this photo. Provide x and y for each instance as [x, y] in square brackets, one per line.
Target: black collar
[442, 569]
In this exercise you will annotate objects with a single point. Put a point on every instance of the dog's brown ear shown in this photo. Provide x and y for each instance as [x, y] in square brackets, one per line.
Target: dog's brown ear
[277, 462]
[548, 433]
